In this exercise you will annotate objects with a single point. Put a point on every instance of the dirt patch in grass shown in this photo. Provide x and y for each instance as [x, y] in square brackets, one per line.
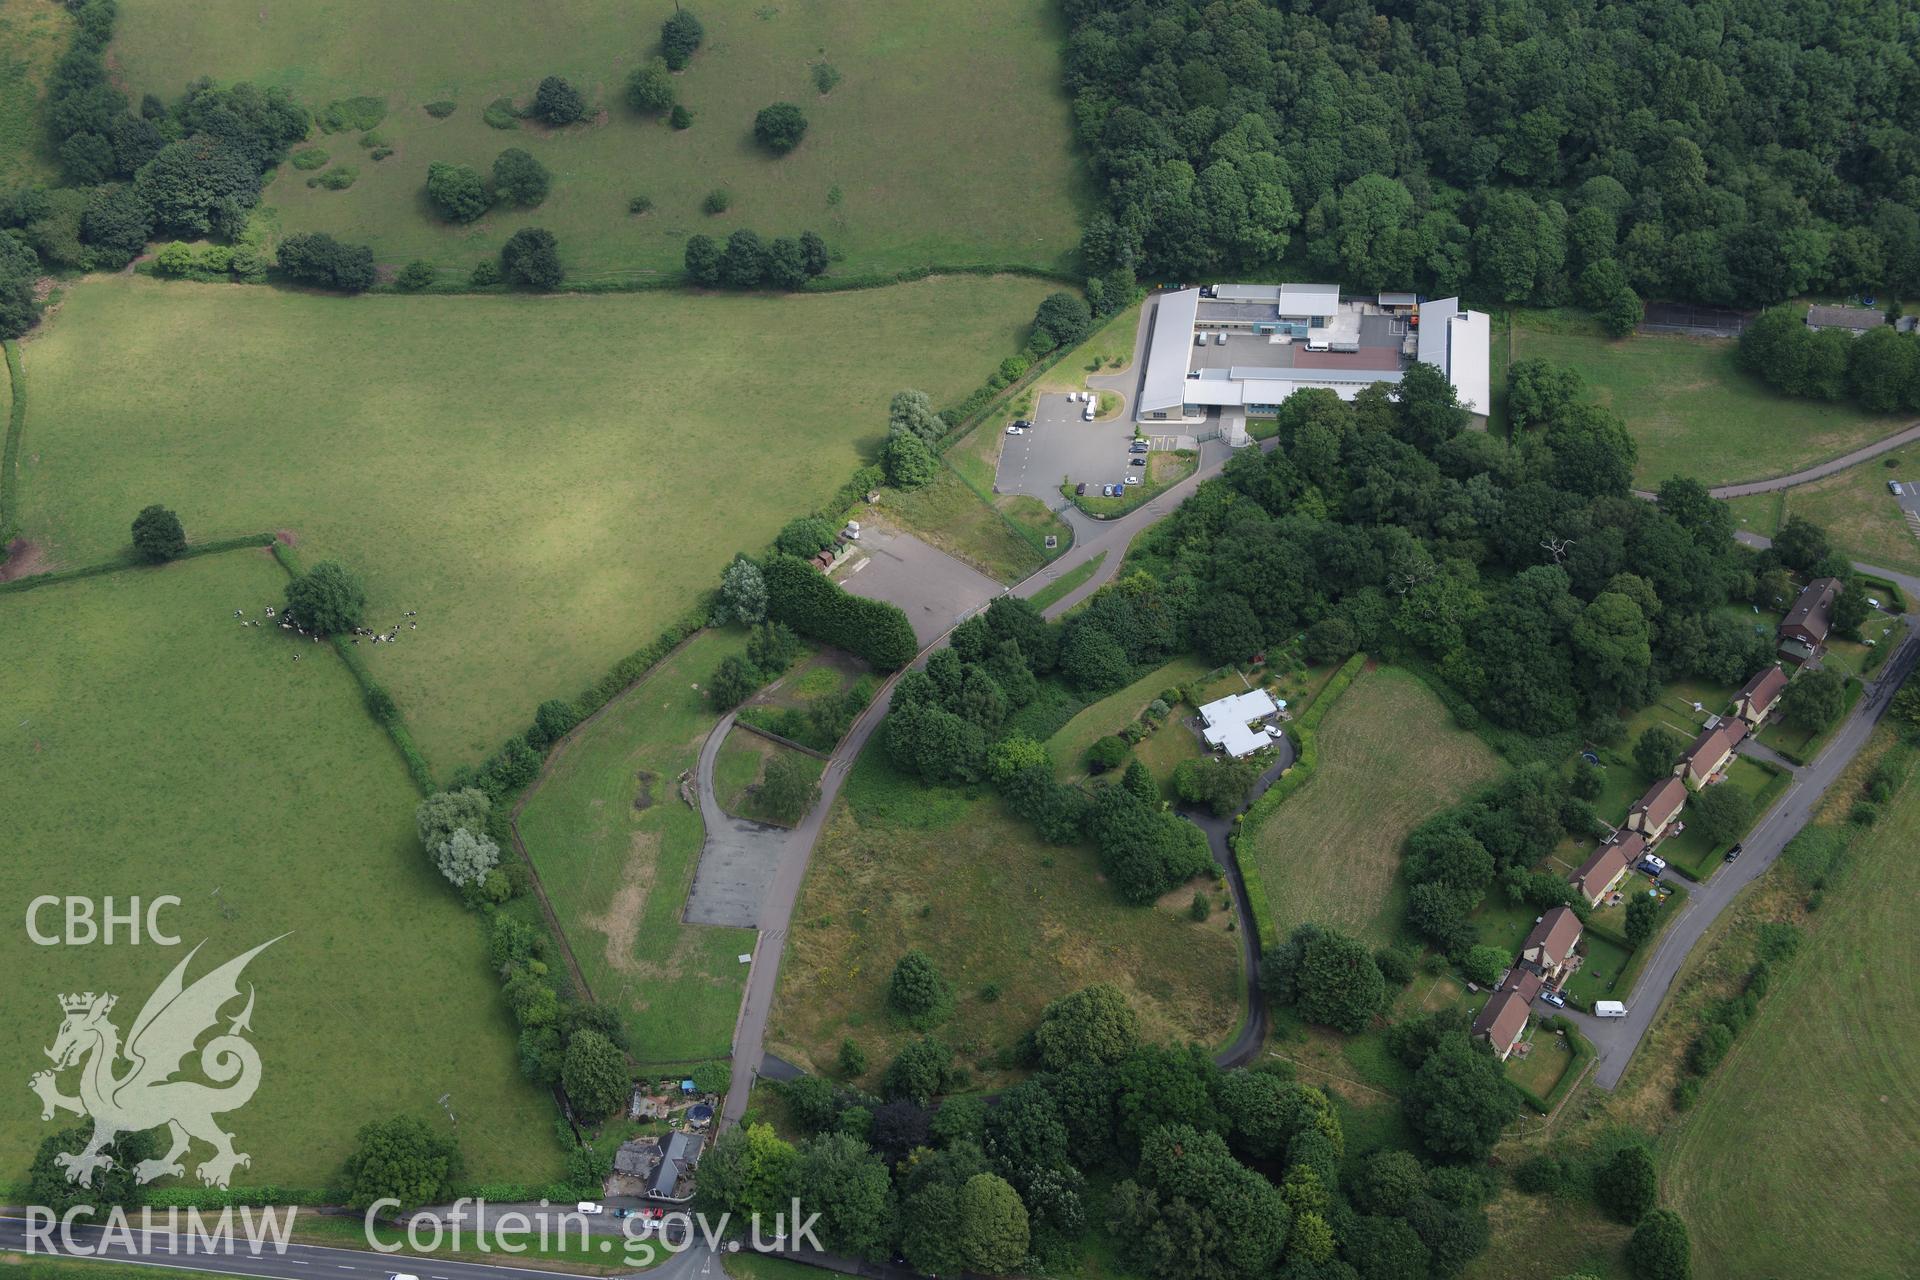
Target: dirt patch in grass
[643, 790]
[620, 923]
[286, 537]
[24, 558]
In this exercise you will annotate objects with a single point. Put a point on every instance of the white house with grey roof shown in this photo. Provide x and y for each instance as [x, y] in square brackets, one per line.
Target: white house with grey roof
[1244, 348]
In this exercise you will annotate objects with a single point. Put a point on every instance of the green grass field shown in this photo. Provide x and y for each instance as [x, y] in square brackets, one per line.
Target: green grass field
[1692, 411]
[616, 848]
[1855, 508]
[1390, 757]
[151, 745]
[1798, 1158]
[946, 142]
[1012, 923]
[33, 35]
[547, 481]
[1116, 711]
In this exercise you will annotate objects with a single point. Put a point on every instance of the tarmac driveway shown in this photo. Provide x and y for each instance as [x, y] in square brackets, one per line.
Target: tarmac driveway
[935, 590]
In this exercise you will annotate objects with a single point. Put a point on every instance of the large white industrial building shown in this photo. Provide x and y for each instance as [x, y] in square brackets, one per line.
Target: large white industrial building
[1243, 348]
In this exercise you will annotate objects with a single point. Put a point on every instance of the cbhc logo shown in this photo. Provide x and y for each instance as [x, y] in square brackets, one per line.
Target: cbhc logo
[84, 927]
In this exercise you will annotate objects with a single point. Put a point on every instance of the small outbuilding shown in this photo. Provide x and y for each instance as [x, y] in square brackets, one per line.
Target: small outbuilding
[1853, 320]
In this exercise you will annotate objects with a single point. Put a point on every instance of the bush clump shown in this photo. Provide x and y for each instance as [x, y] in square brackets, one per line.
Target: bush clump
[501, 114]
[558, 102]
[317, 258]
[640, 204]
[779, 127]
[309, 158]
[825, 77]
[441, 108]
[456, 191]
[415, 276]
[327, 598]
[518, 177]
[717, 201]
[531, 256]
[338, 178]
[680, 117]
[680, 35]
[650, 88]
[157, 535]
[352, 115]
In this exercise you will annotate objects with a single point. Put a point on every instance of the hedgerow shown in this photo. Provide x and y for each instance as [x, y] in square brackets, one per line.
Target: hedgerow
[806, 600]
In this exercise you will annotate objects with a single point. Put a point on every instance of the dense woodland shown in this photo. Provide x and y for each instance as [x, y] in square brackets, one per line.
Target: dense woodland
[1741, 151]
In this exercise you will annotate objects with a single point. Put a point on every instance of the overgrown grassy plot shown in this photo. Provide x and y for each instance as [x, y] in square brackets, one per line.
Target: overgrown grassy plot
[1799, 1156]
[1012, 923]
[33, 35]
[946, 141]
[740, 771]
[1692, 411]
[547, 481]
[1859, 513]
[616, 847]
[1390, 757]
[152, 745]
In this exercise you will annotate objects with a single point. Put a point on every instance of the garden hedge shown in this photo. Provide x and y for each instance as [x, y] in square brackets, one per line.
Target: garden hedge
[815, 606]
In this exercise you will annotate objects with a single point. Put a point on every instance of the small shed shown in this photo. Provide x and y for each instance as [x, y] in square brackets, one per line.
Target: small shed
[688, 1088]
[699, 1116]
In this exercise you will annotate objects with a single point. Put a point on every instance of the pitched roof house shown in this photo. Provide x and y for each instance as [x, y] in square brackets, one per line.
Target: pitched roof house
[1599, 873]
[1757, 697]
[1811, 618]
[1659, 806]
[1550, 946]
[1504, 1020]
[1712, 749]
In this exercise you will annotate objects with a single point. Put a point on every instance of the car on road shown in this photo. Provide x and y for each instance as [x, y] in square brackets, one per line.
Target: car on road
[1554, 998]
[1080, 490]
[589, 1206]
[1133, 479]
[1653, 866]
[1734, 852]
[1137, 462]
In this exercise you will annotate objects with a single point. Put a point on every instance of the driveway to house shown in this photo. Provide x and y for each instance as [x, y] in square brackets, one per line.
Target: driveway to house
[1615, 1039]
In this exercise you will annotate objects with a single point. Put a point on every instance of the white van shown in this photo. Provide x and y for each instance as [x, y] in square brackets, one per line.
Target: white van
[1609, 1009]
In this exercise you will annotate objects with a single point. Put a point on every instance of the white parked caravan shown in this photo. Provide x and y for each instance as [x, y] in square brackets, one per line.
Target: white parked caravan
[1609, 1009]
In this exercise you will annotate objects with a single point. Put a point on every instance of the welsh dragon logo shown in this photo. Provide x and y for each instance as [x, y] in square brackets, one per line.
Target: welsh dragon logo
[145, 1095]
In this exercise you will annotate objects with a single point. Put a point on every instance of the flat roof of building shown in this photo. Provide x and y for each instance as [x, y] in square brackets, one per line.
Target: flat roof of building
[1470, 360]
[1309, 299]
[1165, 384]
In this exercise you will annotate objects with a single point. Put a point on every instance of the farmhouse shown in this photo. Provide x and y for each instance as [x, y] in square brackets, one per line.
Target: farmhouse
[1229, 722]
[1596, 876]
[1504, 1020]
[1244, 348]
[1804, 630]
[1855, 320]
[1549, 948]
[1758, 697]
[1709, 752]
[1659, 806]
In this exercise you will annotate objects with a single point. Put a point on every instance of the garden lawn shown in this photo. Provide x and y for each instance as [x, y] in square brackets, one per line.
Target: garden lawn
[1690, 849]
[547, 481]
[1390, 757]
[152, 745]
[33, 35]
[1690, 409]
[1012, 923]
[616, 848]
[1118, 710]
[946, 142]
[1545, 1063]
[1599, 973]
[741, 767]
[1859, 513]
[1798, 1158]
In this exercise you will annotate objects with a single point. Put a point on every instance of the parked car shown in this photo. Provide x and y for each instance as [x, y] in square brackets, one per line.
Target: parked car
[1015, 429]
[1220, 339]
[1106, 490]
[1080, 490]
[1653, 866]
[1133, 479]
[1138, 462]
[589, 1206]
[1894, 487]
[623, 1212]
[1609, 1009]
[1088, 415]
[1734, 852]
[1199, 339]
[1872, 604]
[1138, 446]
[1023, 423]
[1554, 998]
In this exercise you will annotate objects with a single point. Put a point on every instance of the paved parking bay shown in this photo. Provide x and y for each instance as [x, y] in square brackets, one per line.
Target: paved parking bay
[1061, 445]
[934, 589]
